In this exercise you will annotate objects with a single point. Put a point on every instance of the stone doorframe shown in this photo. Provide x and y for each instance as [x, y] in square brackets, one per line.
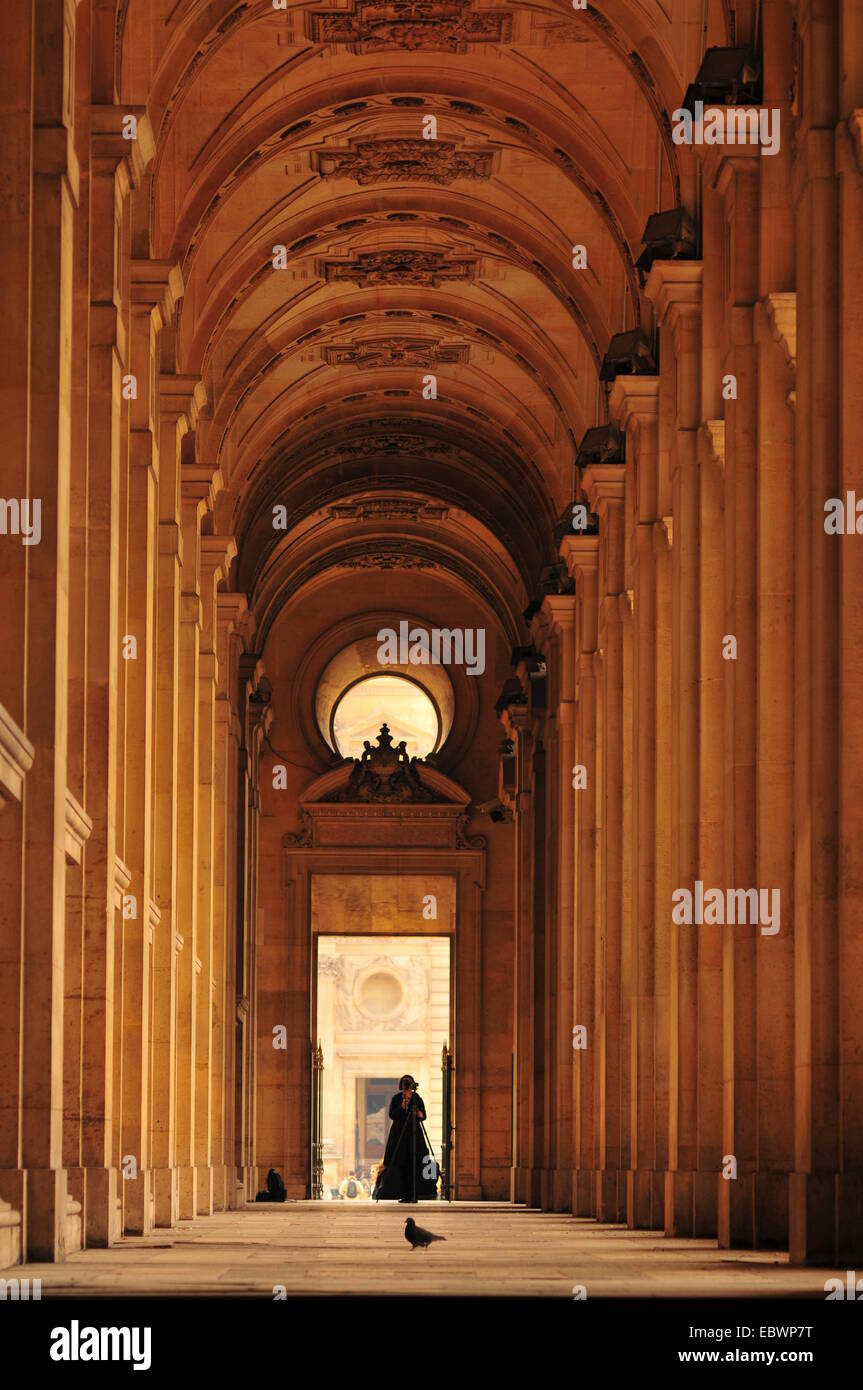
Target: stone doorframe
[431, 839]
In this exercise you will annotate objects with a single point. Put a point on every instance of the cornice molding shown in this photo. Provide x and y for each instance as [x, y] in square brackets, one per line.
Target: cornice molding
[16, 757]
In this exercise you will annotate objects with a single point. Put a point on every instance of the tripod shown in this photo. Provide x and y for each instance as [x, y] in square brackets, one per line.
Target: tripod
[413, 1121]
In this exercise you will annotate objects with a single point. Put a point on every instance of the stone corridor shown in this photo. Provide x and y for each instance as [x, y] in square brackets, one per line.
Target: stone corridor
[491, 1249]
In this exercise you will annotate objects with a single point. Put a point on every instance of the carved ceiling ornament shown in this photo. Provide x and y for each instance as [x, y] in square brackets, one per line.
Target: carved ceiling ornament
[400, 160]
[405, 266]
[388, 509]
[373, 26]
[385, 560]
[396, 351]
[417, 445]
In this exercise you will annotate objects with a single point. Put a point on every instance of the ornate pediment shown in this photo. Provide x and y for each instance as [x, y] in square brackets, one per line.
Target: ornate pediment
[373, 26]
[385, 774]
[403, 159]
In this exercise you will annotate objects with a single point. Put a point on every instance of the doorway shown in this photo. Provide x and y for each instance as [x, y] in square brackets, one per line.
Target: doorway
[383, 1008]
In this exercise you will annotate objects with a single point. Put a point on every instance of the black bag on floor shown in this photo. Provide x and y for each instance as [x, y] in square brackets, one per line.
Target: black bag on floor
[275, 1189]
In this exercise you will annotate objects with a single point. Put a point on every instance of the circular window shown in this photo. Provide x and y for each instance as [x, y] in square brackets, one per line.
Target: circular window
[381, 994]
[404, 706]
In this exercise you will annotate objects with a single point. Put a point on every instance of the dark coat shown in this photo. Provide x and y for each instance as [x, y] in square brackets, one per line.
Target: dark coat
[395, 1183]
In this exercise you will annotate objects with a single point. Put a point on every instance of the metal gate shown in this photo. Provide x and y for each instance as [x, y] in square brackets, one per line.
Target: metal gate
[316, 1181]
[446, 1147]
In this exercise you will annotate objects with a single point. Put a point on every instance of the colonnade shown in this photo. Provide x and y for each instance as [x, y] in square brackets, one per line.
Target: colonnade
[131, 724]
[703, 669]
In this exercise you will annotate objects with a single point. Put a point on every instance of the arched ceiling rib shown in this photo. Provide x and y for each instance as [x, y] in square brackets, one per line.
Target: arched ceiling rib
[405, 258]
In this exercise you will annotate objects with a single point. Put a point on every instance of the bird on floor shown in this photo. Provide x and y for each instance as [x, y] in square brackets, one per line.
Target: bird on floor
[418, 1237]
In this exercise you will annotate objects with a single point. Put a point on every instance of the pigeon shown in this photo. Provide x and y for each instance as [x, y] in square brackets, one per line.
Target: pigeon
[417, 1236]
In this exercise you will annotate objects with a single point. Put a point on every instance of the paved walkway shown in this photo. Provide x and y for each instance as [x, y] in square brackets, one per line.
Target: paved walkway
[359, 1248]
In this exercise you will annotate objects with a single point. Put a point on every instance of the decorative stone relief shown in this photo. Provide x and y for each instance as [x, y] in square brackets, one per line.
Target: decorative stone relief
[401, 267]
[372, 26]
[401, 160]
[396, 352]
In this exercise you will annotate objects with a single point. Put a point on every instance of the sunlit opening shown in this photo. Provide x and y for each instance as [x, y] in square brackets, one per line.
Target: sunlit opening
[403, 705]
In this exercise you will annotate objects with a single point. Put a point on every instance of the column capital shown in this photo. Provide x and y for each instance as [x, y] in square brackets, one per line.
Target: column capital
[674, 288]
[633, 399]
[182, 394]
[714, 433]
[107, 141]
[199, 485]
[557, 614]
[603, 484]
[724, 164]
[217, 552]
[580, 553]
[234, 615]
[781, 311]
[156, 285]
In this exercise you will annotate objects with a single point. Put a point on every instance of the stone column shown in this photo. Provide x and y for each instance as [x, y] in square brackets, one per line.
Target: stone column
[180, 398]
[558, 614]
[849, 163]
[735, 179]
[196, 497]
[603, 485]
[155, 289]
[633, 403]
[675, 290]
[824, 1035]
[217, 553]
[581, 554]
[234, 625]
[524, 1080]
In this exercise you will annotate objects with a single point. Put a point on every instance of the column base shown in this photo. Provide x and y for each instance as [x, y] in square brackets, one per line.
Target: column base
[690, 1203]
[561, 1189]
[771, 1194]
[187, 1192]
[204, 1198]
[48, 1218]
[645, 1199]
[165, 1196]
[138, 1203]
[11, 1234]
[826, 1219]
[584, 1192]
[220, 1187]
[736, 1212]
[102, 1207]
[610, 1195]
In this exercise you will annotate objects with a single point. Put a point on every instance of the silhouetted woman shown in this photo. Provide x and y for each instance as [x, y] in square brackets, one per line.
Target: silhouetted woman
[394, 1182]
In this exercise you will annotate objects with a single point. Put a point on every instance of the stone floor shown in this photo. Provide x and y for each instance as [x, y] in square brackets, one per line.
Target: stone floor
[490, 1249]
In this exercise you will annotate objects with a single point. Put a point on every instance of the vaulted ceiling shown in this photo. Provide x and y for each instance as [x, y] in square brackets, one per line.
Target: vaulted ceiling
[304, 128]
